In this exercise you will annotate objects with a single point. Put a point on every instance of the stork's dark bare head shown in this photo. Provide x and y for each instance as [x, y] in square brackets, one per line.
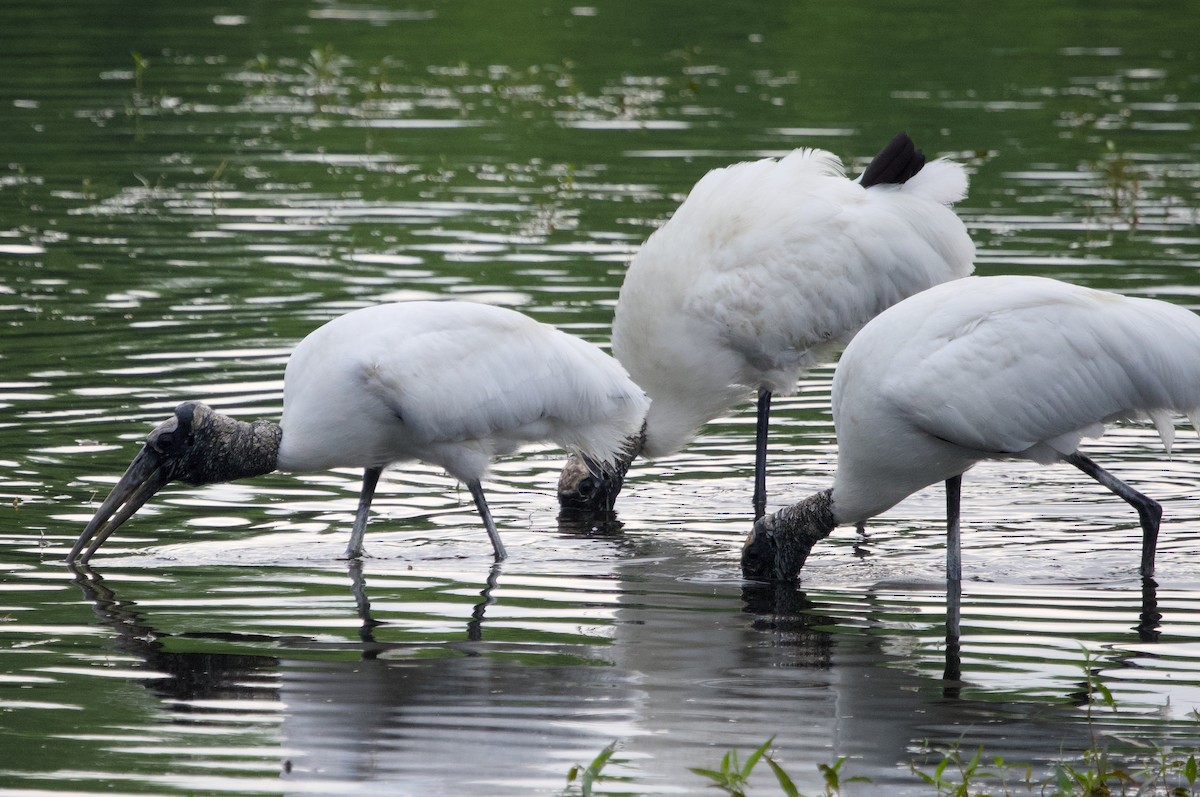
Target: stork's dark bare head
[586, 485]
[196, 446]
[760, 551]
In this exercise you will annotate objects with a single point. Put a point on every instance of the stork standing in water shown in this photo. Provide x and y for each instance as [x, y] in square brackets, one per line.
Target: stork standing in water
[988, 368]
[763, 270]
[449, 383]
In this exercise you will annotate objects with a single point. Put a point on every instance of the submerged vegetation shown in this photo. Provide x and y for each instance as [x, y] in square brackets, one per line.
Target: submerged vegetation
[334, 83]
[1122, 183]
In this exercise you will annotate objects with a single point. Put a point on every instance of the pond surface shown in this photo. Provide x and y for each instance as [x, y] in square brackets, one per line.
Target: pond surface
[186, 190]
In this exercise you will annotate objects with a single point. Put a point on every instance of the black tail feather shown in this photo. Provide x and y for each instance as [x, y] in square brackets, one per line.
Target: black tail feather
[896, 163]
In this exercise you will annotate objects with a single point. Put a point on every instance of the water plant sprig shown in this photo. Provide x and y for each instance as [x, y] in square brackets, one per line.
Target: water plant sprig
[733, 777]
[589, 775]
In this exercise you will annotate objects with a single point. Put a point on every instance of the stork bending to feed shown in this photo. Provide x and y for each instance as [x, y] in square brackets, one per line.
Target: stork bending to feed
[761, 273]
[988, 368]
[448, 383]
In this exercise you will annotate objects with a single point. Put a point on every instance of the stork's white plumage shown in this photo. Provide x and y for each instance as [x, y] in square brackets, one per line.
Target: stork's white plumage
[764, 269]
[448, 383]
[989, 368]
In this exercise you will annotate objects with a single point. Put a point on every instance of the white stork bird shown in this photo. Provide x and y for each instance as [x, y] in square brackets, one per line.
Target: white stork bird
[449, 383]
[988, 368]
[763, 270]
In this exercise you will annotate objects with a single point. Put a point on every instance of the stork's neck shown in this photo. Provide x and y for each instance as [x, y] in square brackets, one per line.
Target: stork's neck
[780, 543]
[236, 449]
[801, 526]
[630, 450]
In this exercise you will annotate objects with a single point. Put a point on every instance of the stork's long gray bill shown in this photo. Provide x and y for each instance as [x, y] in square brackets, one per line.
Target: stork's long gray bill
[143, 478]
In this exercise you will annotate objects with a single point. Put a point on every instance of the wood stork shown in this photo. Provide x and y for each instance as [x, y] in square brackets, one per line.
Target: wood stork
[988, 368]
[763, 270]
[448, 383]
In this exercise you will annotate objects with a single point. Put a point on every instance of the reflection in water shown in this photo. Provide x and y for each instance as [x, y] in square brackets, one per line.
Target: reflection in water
[677, 669]
[1147, 628]
[366, 631]
[475, 627]
[358, 587]
[192, 676]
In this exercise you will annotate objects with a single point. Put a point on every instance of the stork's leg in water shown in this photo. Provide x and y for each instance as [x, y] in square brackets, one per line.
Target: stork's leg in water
[760, 454]
[953, 532]
[485, 513]
[370, 479]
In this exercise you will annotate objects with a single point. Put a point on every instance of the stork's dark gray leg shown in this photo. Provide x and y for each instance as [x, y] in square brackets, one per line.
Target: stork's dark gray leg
[760, 454]
[370, 479]
[1149, 511]
[1150, 620]
[489, 524]
[952, 673]
[953, 532]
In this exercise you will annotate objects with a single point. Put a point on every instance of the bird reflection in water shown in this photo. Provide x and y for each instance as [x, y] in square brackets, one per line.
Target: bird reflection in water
[193, 675]
[793, 622]
[785, 612]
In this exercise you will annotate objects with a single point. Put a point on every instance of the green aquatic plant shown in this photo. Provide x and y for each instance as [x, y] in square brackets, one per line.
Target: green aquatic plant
[142, 105]
[379, 85]
[1095, 775]
[1189, 771]
[688, 58]
[831, 773]
[589, 775]
[140, 65]
[138, 100]
[324, 71]
[259, 71]
[1171, 773]
[214, 184]
[1122, 180]
[956, 776]
[733, 777]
